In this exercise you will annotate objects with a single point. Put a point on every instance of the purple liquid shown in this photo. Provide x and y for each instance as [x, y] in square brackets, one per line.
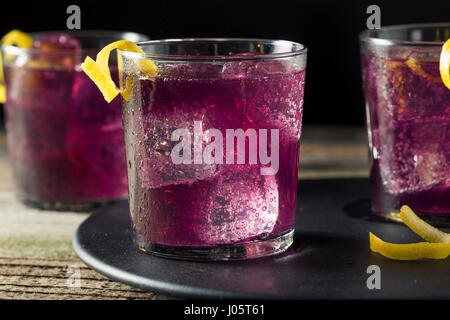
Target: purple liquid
[218, 204]
[409, 122]
[65, 142]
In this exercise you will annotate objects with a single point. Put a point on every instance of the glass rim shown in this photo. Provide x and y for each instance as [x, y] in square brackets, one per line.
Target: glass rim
[368, 36]
[120, 35]
[302, 50]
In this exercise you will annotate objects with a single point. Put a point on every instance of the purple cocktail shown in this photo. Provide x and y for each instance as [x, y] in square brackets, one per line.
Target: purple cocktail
[408, 110]
[199, 136]
[65, 142]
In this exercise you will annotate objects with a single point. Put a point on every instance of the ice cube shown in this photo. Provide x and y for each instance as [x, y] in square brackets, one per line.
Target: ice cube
[56, 50]
[256, 69]
[57, 41]
[237, 69]
[244, 206]
[271, 93]
[430, 168]
[413, 156]
[153, 152]
[191, 71]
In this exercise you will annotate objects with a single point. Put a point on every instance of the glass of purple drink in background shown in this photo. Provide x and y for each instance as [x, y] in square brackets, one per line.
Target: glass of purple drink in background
[64, 141]
[408, 120]
[246, 95]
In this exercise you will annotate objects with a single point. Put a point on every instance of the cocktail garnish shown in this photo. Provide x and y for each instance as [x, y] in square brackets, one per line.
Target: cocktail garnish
[438, 246]
[99, 72]
[444, 64]
[410, 251]
[414, 66]
[17, 38]
[12, 38]
[423, 229]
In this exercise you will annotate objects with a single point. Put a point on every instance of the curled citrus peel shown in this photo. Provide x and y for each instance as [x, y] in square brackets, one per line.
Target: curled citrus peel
[12, 38]
[98, 70]
[410, 251]
[414, 66]
[444, 64]
[17, 38]
[423, 229]
[438, 246]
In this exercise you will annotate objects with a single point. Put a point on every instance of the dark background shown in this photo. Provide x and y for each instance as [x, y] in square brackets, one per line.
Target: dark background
[328, 28]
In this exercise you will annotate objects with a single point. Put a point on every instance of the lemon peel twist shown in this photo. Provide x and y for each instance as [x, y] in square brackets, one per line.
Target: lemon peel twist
[444, 64]
[409, 251]
[98, 70]
[421, 228]
[12, 38]
[437, 247]
[414, 66]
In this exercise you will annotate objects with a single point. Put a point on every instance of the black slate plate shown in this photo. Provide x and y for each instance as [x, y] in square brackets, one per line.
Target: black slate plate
[328, 261]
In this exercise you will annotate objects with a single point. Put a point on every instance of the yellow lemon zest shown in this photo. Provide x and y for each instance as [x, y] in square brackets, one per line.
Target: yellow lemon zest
[438, 246]
[423, 229]
[17, 38]
[410, 251]
[12, 38]
[98, 70]
[444, 64]
[414, 66]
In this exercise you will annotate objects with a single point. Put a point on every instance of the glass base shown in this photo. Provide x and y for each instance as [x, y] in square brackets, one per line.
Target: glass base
[66, 206]
[235, 252]
[436, 219]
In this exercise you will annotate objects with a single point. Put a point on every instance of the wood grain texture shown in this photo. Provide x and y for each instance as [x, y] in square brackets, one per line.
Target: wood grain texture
[49, 279]
[35, 245]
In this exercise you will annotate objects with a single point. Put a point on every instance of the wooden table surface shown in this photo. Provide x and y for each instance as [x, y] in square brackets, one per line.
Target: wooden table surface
[36, 255]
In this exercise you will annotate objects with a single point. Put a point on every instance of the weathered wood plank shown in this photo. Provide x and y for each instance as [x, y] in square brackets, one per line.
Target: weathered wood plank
[49, 279]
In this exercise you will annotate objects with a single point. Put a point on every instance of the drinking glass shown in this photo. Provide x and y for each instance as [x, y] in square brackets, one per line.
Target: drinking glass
[212, 145]
[408, 120]
[65, 142]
